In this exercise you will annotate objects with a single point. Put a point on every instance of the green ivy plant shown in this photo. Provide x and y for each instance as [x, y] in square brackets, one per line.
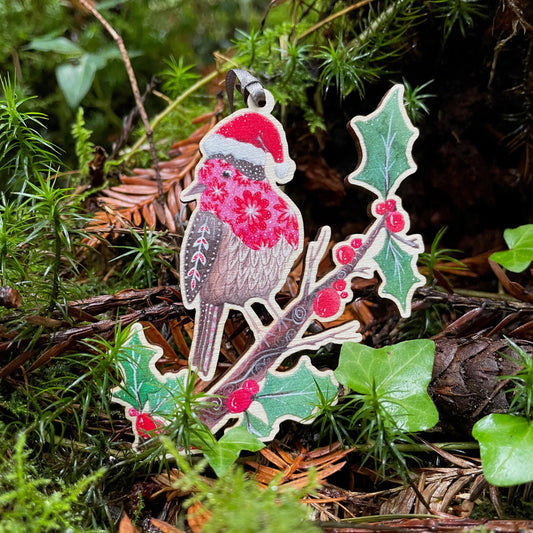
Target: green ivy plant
[388, 399]
[506, 440]
[520, 253]
[76, 75]
[394, 379]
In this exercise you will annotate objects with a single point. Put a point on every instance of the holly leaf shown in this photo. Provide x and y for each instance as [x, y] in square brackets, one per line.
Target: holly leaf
[397, 376]
[163, 400]
[520, 253]
[386, 139]
[136, 364]
[223, 453]
[293, 395]
[506, 447]
[143, 387]
[397, 267]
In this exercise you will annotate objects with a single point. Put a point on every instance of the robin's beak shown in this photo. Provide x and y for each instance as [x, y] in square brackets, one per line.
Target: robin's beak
[194, 189]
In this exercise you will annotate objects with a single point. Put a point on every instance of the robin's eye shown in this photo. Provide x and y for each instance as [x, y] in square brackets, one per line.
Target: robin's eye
[226, 173]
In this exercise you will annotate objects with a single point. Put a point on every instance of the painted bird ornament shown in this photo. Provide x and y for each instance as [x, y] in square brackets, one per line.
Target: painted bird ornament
[244, 234]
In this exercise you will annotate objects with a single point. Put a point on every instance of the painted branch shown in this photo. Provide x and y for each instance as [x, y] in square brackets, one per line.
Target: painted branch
[281, 339]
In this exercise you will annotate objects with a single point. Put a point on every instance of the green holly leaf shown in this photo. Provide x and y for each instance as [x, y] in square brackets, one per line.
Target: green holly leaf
[256, 425]
[506, 446]
[397, 266]
[520, 253]
[292, 395]
[397, 376]
[386, 138]
[223, 453]
[136, 364]
[143, 387]
[165, 397]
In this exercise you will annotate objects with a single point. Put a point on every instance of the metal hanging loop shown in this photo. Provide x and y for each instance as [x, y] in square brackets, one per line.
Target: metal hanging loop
[247, 85]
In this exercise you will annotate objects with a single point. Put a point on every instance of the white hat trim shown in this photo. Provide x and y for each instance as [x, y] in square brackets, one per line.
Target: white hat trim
[218, 144]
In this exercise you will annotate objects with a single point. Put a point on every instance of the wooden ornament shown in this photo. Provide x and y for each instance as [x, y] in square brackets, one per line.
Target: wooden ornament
[240, 244]
[245, 233]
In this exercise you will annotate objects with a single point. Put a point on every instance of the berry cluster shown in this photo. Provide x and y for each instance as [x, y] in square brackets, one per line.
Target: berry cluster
[346, 253]
[394, 221]
[145, 424]
[241, 399]
[328, 301]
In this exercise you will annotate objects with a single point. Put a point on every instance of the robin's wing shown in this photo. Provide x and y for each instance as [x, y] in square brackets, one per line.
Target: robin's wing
[199, 251]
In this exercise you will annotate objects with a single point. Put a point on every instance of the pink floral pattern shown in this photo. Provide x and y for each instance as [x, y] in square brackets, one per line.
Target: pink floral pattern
[252, 210]
[288, 220]
[256, 212]
[217, 191]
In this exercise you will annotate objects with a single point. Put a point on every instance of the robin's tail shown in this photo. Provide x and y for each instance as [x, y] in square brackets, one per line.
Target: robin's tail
[206, 342]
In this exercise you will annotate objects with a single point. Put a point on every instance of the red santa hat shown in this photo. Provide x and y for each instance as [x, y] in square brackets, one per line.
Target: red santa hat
[250, 137]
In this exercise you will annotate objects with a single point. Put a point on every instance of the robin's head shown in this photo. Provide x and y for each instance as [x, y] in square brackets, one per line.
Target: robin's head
[253, 143]
[216, 170]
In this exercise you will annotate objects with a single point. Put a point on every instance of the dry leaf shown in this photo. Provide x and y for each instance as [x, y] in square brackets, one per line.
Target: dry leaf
[126, 526]
[197, 516]
[136, 199]
[164, 527]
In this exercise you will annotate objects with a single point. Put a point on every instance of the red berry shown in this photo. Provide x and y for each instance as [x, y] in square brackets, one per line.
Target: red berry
[356, 243]
[251, 386]
[239, 401]
[381, 208]
[339, 285]
[345, 254]
[344, 294]
[395, 221]
[390, 205]
[144, 424]
[327, 303]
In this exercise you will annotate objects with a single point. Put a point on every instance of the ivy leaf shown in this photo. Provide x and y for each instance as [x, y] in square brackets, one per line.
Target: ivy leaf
[397, 376]
[225, 452]
[290, 395]
[75, 80]
[506, 446]
[520, 253]
[59, 45]
[397, 266]
[386, 138]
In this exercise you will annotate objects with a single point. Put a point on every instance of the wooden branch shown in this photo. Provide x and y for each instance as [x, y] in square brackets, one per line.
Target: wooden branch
[135, 88]
[134, 298]
[338, 334]
[104, 328]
